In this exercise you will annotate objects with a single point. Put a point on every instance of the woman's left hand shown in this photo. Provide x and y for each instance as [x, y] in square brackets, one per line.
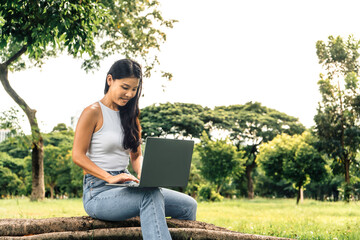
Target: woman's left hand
[123, 177]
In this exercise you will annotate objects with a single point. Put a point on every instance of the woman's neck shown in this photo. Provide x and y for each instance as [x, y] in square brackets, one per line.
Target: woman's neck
[110, 104]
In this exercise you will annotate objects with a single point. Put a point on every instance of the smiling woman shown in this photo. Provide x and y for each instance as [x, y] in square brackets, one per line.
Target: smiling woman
[123, 90]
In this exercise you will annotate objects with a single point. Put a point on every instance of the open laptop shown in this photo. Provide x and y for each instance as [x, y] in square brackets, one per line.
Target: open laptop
[166, 163]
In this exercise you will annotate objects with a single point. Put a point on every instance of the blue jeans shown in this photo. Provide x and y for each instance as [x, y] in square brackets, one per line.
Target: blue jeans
[151, 204]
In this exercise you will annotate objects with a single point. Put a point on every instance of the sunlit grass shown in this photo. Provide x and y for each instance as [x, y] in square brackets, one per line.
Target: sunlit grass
[24, 208]
[281, 217]
[275, 217]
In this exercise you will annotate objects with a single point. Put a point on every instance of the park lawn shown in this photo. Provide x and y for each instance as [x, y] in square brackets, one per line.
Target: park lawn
[274, 217]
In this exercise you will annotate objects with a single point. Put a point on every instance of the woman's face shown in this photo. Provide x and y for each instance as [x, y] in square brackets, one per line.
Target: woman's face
[122, 90]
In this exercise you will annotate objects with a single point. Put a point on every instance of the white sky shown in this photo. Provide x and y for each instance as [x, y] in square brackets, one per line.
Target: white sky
[220, 53]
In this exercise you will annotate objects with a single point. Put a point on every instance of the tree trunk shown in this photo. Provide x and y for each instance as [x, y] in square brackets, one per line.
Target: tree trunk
[89, 228]
[300, 195]
[38, 187]
[344, 156]
[347, 171]
[347, 192]
[52, 187]
[250, 183]
[219, 187]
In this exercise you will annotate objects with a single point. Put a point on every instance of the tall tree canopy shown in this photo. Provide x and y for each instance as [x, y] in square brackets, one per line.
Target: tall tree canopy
[337, 119]
[32, 31]
[177, 119]
[250, 125]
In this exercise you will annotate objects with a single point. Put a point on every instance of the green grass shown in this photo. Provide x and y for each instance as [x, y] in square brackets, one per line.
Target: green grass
[274, 217]
[24, 208]
[281, 217]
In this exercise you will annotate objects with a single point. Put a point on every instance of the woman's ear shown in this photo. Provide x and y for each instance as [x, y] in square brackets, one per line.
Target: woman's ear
[109, 79]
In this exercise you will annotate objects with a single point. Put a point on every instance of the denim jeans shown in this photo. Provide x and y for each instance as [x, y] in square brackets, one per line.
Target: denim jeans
[113, 203]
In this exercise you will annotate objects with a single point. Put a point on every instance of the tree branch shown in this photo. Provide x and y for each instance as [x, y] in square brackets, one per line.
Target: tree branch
[16, 55]
[30, 113]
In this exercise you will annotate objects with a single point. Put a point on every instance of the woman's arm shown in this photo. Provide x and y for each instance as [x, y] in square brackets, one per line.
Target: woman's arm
[136, 161]
[86, 126]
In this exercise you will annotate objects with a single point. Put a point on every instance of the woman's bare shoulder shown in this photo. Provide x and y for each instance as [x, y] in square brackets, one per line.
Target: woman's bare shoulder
[91, 112]
[92, 109]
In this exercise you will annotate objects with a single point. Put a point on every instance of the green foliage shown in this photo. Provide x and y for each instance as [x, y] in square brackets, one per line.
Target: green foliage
[219, 160]
[339, 56]
[17, 146]
[61, 174]
[252, 123]
[10, 120]
[292, 158]
[135, 28]
[178, 119]
[42, 29]
[196, 180]
[208, 193]
[11, 176]
[61, 127]
[337, 124]
[268, 187]
[355, 179]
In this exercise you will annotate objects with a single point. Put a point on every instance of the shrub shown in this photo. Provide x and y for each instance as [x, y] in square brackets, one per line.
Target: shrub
[208, 193]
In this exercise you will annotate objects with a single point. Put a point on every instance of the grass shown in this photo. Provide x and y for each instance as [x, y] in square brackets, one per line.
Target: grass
[273, 217]
[282, 218]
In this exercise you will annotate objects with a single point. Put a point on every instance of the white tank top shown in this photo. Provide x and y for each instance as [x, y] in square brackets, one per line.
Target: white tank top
[106, 146]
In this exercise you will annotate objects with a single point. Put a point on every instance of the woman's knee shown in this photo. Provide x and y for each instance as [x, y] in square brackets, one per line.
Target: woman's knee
[192, 208]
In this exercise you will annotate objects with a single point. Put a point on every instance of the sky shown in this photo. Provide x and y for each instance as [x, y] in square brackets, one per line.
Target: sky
[220, 53]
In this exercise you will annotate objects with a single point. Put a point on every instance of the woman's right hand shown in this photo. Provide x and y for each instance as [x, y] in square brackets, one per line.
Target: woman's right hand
[123, 177]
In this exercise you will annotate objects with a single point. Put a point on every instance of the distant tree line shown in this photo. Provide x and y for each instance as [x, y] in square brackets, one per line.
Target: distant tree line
[229, 139]
[62, 177]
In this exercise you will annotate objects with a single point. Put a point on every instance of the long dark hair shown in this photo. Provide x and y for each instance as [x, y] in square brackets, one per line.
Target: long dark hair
[129, 114]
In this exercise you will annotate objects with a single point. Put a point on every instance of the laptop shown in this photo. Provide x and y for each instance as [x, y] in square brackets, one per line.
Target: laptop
[166, 163]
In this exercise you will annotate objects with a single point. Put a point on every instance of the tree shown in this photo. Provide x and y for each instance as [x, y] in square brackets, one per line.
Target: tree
[178, 119]
[327, 188]
[32, 31]
[61, 174]
[55, 167]
[337, 118]
[219, 160]
[250, 125]
[17, 144]
[293, 158]
[11, 175]
[355, 177]
[196, 180]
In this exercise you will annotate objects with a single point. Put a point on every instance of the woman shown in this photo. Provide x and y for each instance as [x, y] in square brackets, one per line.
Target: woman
[108, 133]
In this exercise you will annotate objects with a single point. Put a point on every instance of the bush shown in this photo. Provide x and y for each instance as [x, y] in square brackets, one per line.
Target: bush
[208, 193]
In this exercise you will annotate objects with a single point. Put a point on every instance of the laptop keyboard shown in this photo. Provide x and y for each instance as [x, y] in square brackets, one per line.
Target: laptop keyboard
[132, 184]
